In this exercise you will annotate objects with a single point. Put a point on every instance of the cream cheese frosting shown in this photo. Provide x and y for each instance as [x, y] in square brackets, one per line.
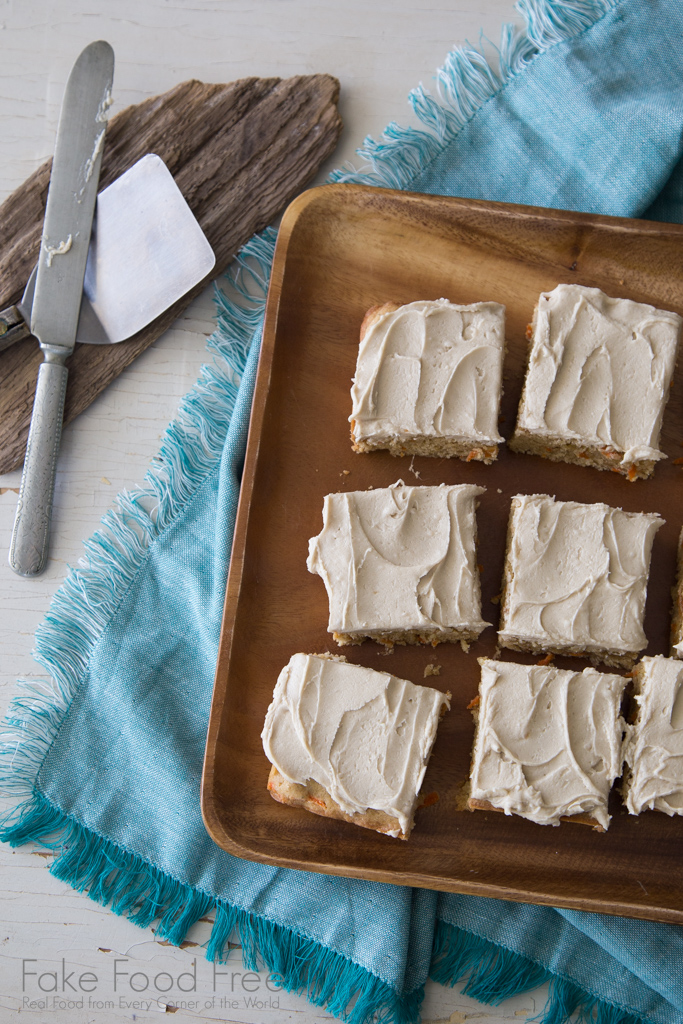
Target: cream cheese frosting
[365, 736]
[576, 574]
[653, 748]
[599, 371]
[431, 369]
[548, 741]
[400, 558]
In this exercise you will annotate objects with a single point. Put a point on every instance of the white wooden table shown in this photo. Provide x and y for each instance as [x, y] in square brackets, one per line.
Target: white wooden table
[379, 49]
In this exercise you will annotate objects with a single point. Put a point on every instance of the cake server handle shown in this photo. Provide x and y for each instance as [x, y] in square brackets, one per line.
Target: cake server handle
[13, 327]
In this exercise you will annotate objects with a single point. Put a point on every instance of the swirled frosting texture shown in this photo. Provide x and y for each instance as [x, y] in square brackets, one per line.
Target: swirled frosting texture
[548, 741]
[599, 371]
[431, 369]
[364, 736]
[576, 575]
[654, 744]
[400, 558]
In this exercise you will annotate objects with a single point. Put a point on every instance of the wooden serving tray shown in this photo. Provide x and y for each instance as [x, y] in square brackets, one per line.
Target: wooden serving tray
[342, 249]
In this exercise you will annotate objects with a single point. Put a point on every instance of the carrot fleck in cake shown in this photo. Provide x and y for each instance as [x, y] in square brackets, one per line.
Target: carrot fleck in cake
[653, 749]
[597, 381]
[575, 579]
[399, 564]
[351, 743]
[548, 743]
[428, 380]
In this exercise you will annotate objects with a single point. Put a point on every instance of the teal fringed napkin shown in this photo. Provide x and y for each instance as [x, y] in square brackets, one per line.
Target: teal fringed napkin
[585, 113]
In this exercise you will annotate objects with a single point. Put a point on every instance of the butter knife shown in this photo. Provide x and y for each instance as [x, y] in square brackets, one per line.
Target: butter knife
[59, 285]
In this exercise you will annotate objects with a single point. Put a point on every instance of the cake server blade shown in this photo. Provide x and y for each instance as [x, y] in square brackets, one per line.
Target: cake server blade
[147, 250]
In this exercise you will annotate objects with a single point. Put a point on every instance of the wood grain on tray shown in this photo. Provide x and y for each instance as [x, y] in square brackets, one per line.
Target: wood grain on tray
[238, 152]
[341, 250]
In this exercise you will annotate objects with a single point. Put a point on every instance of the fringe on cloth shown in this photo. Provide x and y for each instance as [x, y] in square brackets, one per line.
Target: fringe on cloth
[493, 973]
[114, 555]
[465, 83]
[135, 888]
[191, 448]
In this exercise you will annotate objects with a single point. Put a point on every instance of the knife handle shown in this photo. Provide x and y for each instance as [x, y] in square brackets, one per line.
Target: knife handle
[28, 550]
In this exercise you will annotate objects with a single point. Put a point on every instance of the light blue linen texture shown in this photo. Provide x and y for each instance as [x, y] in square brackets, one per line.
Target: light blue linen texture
[593, 124]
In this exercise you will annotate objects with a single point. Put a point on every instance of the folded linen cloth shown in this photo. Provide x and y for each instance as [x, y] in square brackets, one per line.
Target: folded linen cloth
[583, 114]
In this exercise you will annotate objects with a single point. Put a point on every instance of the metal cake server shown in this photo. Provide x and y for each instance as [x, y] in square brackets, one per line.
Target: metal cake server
[58, 288]
[146, 251]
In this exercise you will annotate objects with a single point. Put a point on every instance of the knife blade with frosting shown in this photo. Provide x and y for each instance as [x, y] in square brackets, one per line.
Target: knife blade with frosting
[59, 285]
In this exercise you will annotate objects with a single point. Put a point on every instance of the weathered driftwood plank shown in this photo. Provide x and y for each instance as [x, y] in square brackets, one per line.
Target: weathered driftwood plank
[239, 153]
